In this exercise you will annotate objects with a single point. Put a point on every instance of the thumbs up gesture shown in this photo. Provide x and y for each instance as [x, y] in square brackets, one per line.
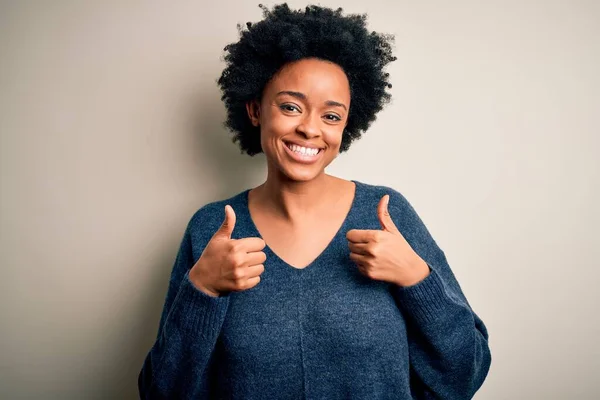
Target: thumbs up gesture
[229, 264]
[384, 254]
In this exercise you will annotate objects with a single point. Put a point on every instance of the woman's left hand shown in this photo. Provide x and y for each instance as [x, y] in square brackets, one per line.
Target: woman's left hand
[384, 254]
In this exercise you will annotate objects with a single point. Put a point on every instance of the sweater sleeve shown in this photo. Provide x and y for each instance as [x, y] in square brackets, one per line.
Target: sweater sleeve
[177, 364]
[448, 342]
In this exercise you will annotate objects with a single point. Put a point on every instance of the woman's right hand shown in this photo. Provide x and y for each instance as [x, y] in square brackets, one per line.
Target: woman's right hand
[229, 264]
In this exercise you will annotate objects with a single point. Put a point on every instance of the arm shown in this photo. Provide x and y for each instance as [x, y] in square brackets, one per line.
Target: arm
[177, 364]
[448, 342]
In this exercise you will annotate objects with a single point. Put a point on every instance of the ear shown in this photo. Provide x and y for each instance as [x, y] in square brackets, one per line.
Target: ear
[253, 109]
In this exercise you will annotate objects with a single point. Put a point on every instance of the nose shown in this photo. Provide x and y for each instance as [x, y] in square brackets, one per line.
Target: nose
[309, 126]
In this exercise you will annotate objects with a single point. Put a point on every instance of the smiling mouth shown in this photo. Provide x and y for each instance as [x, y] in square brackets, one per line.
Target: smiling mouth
[308, 152]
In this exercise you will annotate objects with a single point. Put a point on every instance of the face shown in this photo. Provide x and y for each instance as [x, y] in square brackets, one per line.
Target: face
[304, 105]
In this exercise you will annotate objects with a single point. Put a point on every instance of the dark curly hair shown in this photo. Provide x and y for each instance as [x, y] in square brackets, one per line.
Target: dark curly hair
[286, 35]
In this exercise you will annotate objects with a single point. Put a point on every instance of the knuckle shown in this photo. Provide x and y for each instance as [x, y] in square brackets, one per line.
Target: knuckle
[377, 236]
[237, 274]
[374, 248]
[236, 246]
[239, 285]
[231, 258]
[237, 260]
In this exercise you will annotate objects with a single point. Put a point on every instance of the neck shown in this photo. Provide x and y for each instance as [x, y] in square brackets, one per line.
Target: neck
[294, 201]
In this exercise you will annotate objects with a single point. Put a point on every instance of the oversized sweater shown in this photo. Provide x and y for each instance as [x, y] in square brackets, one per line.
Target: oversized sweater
[325, 331]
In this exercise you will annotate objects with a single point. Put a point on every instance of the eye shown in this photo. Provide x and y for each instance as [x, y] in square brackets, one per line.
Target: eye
[288, 107]
[335, 117]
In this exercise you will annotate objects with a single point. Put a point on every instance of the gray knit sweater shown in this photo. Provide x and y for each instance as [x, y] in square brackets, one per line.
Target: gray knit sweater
[322, 332]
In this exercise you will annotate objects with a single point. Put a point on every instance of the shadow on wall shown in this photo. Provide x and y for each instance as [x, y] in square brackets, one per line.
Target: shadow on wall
[229, 172]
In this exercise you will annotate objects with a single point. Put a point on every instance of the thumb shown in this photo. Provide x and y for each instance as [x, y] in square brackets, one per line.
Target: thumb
[387, 224]
[228, 224]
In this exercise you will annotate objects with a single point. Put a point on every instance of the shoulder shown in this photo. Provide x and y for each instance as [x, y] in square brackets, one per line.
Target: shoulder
[401, 210]
[372, 193]
[406, 219]
[209, 217]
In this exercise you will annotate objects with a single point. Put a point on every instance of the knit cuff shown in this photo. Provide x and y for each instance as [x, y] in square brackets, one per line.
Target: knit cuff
[197, 312]
[425, 300]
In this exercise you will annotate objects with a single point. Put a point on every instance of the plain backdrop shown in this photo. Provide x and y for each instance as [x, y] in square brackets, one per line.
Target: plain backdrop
[112, 137]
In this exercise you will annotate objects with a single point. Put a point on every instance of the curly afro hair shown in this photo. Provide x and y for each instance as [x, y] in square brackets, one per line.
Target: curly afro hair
[286, 35]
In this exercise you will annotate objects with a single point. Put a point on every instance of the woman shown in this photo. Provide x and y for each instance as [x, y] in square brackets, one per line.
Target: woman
[311, 286]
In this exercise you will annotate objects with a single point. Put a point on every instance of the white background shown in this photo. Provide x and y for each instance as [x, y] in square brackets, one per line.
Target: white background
[111, 138]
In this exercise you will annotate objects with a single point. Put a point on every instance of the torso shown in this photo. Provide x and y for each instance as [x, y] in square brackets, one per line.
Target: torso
[301, 244]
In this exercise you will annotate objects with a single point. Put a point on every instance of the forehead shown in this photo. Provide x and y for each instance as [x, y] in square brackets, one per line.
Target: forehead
[312, 77]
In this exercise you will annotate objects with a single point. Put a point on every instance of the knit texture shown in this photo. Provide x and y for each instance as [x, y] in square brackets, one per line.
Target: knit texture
[322, 332]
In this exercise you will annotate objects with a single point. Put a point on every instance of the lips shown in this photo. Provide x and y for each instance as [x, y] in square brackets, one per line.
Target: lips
[312, 149]
[308, 146]
[302, 158]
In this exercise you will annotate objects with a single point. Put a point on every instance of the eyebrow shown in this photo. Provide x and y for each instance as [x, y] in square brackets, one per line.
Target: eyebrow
[302, 96]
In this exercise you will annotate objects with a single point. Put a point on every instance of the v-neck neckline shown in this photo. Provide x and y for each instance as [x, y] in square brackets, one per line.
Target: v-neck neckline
[269, 251]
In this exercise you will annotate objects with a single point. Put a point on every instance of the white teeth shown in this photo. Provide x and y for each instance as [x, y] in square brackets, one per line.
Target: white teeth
[303, 150]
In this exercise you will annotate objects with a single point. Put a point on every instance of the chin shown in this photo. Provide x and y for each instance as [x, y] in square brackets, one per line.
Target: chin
[299, 176]
[302, 174]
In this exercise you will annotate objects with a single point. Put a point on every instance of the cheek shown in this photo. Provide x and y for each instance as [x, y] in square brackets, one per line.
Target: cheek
[333, 137]
[277, 126]
[270, 135]
[282, 125]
